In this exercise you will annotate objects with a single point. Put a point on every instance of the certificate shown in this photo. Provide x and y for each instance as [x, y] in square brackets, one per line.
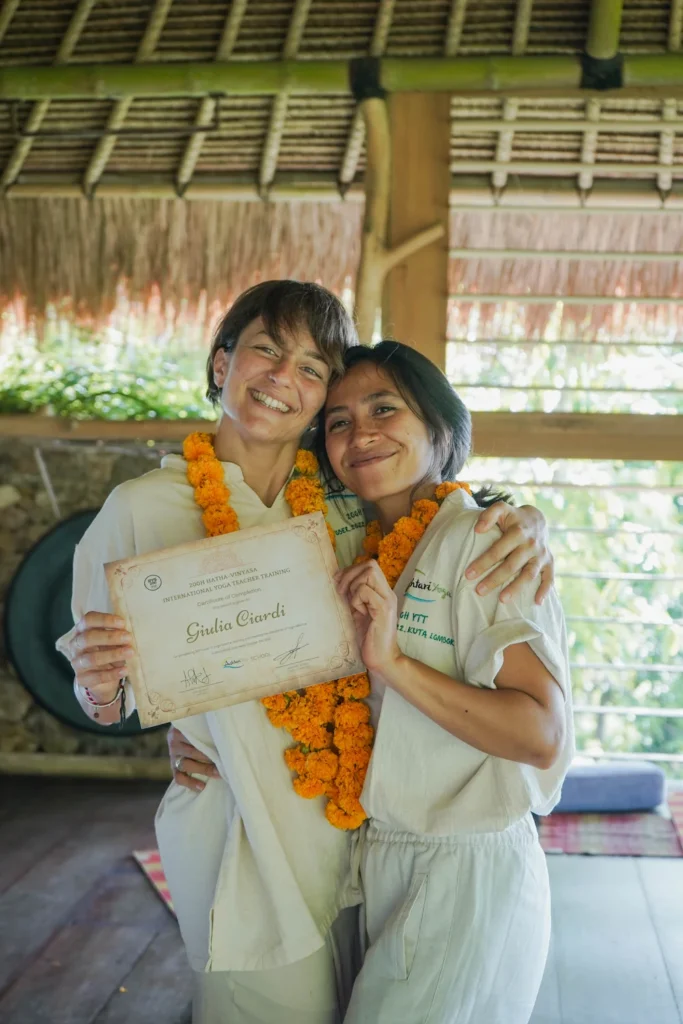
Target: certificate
[233, 618]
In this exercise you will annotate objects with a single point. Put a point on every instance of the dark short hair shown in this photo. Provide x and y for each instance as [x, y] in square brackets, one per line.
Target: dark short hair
[286, 306]
[433, 399]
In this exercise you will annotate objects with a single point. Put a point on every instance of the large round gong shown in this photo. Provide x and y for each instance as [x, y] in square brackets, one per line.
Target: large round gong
[37, 613]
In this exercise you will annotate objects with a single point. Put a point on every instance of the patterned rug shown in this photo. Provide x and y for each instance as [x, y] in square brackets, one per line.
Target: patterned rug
[613, 835]
[150, 862]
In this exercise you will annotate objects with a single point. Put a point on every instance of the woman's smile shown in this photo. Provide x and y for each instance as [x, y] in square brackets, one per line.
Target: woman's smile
[377, 446]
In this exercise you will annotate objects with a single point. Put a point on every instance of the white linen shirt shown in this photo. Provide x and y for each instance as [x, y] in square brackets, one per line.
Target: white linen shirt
[421, 778]
[256, 873]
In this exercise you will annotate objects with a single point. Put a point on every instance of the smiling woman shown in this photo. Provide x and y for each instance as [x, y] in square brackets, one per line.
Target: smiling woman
[471, 702]
[260, 879]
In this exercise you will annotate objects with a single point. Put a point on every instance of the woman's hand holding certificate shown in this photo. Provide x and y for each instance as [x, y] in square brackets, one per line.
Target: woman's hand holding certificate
[233, 618]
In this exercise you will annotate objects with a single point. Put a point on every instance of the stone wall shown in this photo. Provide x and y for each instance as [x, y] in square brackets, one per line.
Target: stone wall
[81, 475]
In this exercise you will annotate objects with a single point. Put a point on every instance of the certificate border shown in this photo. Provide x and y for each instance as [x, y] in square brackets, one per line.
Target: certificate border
[155, 709]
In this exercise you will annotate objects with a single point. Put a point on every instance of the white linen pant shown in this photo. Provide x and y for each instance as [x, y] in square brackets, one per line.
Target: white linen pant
[458, 928]
[315, 990]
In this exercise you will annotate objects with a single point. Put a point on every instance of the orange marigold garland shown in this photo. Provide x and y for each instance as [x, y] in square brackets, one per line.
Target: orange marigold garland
[329, 722]
[309, 716]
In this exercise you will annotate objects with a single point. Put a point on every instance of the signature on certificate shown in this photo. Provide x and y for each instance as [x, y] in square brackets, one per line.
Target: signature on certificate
[193, 678]
[232, 664]
[290, 656]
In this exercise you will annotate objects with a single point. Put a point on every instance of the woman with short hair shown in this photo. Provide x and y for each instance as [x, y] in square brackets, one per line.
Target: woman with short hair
[259, 877]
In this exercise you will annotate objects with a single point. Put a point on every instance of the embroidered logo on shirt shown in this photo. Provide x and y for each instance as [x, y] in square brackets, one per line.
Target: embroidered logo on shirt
[426, 587]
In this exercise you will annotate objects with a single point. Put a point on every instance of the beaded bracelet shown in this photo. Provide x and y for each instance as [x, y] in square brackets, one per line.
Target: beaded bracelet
[90, 698]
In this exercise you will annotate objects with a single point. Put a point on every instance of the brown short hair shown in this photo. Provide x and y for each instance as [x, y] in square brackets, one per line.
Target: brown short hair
[286, 306]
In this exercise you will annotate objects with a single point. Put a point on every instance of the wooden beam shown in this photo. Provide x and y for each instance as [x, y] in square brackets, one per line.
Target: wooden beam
[456, 23]
[85, 766]
[565, 254]
[278, 111]
[119, 112]
[578, 435]
[533, 192]
[504, 434]
[207, 107]
[356, 136]
[23, 147]
[377, 257]
[416, 291]
[58, 428]
[7, 12]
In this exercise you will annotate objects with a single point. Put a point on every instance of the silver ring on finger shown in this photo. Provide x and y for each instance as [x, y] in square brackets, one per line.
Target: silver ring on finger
[178, 764]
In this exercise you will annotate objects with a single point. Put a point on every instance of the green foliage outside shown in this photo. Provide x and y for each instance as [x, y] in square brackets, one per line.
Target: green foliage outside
[83, 380]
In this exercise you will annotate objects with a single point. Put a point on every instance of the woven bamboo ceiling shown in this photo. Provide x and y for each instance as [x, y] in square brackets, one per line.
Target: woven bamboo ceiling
[256, 145]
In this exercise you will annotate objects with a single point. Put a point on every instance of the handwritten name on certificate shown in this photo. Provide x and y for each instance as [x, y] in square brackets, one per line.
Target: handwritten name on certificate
[233, 618]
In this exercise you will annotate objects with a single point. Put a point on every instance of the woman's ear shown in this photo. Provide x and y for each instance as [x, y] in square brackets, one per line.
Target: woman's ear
[221, 361]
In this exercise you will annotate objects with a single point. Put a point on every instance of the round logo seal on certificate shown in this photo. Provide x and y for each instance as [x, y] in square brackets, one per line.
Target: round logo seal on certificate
[153, 582]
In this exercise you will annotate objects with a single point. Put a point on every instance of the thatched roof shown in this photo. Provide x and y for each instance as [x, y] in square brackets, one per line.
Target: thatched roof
[56, 247]
[78, 254]
[262, 142]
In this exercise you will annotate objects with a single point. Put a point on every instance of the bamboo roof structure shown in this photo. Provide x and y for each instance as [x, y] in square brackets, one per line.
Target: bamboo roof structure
[246, 145]
[96, 178]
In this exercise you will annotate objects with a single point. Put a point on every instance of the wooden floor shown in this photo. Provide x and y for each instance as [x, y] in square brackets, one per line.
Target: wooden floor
[84, 940]
[83, 937]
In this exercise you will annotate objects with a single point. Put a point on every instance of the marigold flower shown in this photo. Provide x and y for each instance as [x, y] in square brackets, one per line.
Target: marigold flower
[201, 470]
[322, 764]
[348, 782]
[448, 486]
[305, 494]
[210, 492]
[354, 687]
[278, 702]
[360, 736]
[220, 520]
[370, 549]
[356, 759]
[341, 819]
[317, 737]
[280, 719]
[350, 714]
[424, 511]
[351, 805]
[198, 445]
[308, 788]
[410, 528]
[306, 463]
[295, 760]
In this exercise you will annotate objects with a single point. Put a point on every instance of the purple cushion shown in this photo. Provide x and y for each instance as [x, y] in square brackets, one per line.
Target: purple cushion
[615, 787]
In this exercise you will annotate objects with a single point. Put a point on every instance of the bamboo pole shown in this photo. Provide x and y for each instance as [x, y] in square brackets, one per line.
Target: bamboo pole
[573, 300]
[356, 136]
[609, 195]
[39, 110]
[278, 112]
[7, 12]
[565, 254]
[559, 167]
[377, 258]
[207, 108]
[643, 75]
[119, 112]
[643, 126]
[604, 26]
